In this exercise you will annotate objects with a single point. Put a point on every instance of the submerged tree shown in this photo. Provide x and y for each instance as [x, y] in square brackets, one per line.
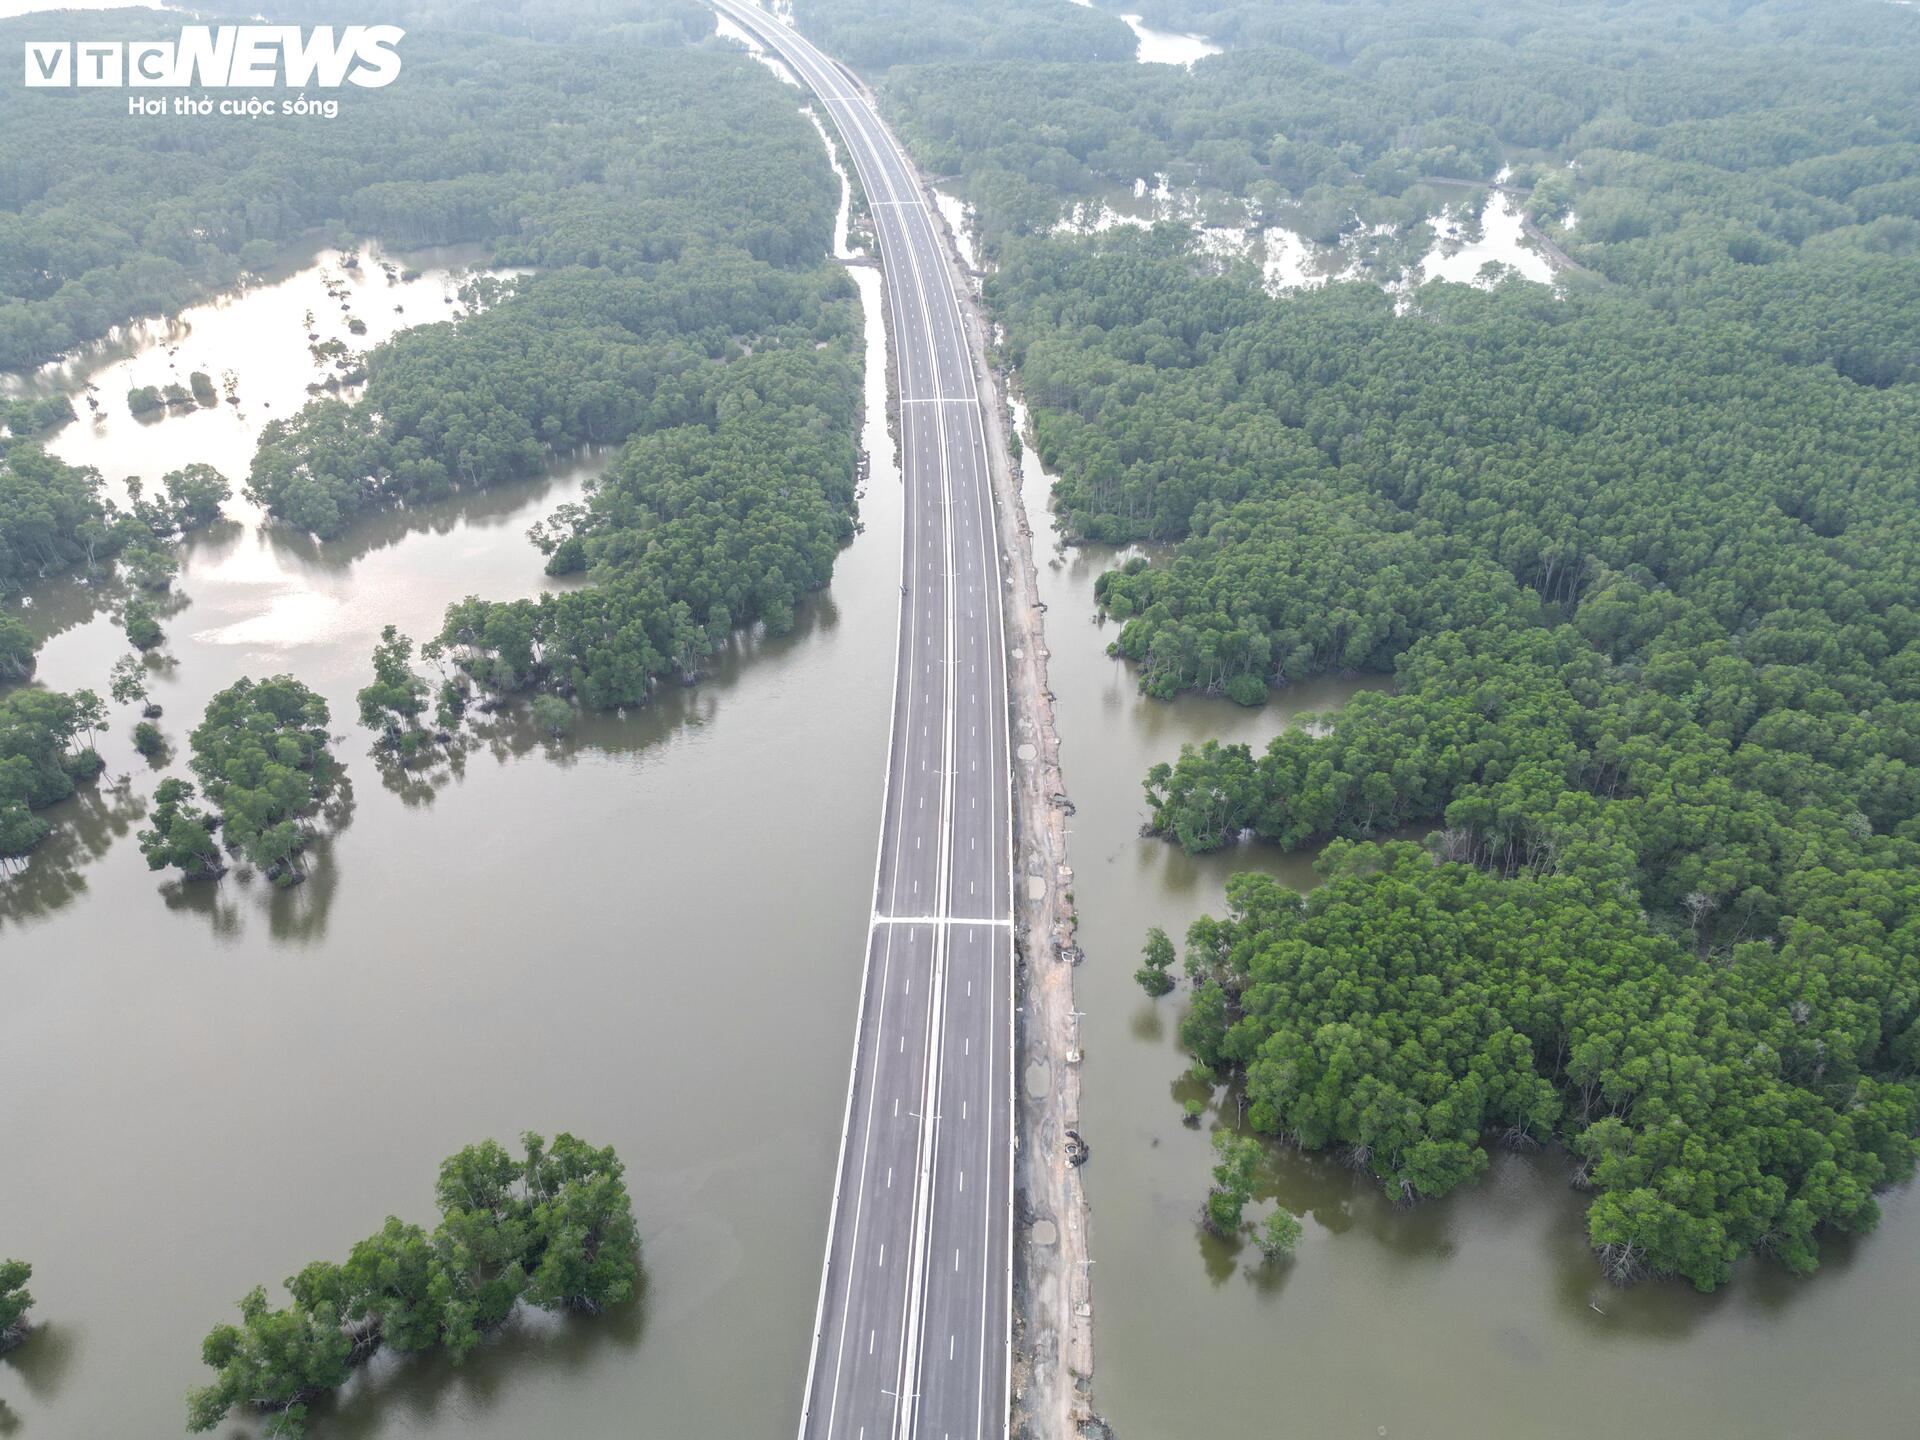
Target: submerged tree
[16, 649]
[1280, 1234]
[261, 752]
[1233, 1175]
[127, 682]
[142, 627]
[552, 1227]
[397, 698]
[195, 493]
[1157, 959]
[15, 1301]
[181, 835]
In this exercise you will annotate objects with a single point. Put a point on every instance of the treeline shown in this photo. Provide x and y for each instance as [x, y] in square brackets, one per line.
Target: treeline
[870, 35]
[101, 221]
[1708, 138]
[574, 358]
[15, 1301]
[703, 242]
[46, 749]
[552, 1228]
[53, 516]
[600, 22]
[694, 532]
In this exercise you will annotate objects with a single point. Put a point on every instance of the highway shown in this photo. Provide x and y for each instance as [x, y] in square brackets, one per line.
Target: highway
[912, 1330]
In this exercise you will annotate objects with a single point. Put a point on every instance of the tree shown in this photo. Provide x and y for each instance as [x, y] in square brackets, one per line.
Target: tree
[196, 493]
[397, 698]
[142, 628]
[16, 649]
[274, 1362]
[181, 835]
[1159, 957]
[89, 714]
[151, 567]
[1280, 1234]
[15, 1301]
[1233, 1179]
[552, 1228]
[552, 715]
[261, 752]
[127, 683]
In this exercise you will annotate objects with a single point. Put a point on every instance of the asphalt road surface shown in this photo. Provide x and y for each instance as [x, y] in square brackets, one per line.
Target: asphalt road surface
[912, 1333]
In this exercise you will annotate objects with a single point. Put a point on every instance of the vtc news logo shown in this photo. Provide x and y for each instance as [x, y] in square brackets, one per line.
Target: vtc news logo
[223, 57]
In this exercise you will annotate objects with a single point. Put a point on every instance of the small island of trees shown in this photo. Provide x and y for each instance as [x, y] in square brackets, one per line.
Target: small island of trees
[551, 1227]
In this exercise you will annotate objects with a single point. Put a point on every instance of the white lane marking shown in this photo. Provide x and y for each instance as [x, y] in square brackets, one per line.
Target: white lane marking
[884, 153]
[949, 920]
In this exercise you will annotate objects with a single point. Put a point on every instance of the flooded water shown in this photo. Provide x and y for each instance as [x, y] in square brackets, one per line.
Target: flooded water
[959, 217]
[1168, 47]
[1481, 1317]
[650, 935]
[1462, 247]
[1164, 47]
[276, 340]
[728, 30]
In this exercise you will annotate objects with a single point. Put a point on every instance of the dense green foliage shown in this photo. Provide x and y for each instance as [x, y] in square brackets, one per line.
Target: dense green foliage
[552, 1227]
[1405, 1009]
[692, 532]
[873, 34]
[52, 516]
[16, 650]
[684, 308]
[261, 754]
[1706, 133]
[27, 418]
[180, 834]
[15, 1301]
[41, 759]
[396, 699]
[674, 246]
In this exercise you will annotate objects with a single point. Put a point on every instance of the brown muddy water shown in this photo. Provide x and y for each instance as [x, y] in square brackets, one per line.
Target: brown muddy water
[650, 935]
[1481, 1317]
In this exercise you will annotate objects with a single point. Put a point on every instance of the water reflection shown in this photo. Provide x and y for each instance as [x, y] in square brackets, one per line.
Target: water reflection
[84, 828]
[415, 1391]
[45, 1359]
